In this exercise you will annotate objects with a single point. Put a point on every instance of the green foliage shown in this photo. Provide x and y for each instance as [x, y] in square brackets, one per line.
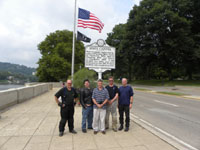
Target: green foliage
[171, 93]
[56, 51]
[114, 39]
[4, 75]
[19, 73]
[83, 74]
[16, 77]
[161, 39]
[15, 68]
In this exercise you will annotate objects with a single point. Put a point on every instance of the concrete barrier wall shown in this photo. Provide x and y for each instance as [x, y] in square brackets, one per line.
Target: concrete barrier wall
[8, 98]
[25, 93]
[15, 96]
[57, 84]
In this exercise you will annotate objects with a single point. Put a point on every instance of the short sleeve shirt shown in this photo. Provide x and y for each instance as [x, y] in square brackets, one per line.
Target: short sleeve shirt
[112, 91]
[67, 95]
[125, 93]
[100, 96]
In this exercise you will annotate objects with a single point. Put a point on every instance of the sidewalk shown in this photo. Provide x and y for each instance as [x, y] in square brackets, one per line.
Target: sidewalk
[33, 125]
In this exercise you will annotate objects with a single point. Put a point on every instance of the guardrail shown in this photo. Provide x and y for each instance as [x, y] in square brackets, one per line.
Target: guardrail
[14, 96]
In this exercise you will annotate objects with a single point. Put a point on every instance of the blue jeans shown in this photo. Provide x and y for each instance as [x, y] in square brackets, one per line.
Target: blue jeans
[87, 115]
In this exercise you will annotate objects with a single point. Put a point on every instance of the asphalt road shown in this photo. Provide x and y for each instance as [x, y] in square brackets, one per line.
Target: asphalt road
[177, 116]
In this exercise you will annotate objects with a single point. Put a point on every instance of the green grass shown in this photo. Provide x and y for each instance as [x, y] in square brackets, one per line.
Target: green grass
[3, 81]
[172, 93]
[167, 83]
[141, 89]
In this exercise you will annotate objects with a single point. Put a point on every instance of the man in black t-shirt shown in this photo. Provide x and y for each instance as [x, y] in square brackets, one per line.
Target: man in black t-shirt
[112, 104]
[68, 95]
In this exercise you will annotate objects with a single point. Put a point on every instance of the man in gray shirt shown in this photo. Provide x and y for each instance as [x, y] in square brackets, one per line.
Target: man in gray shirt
[100, 97]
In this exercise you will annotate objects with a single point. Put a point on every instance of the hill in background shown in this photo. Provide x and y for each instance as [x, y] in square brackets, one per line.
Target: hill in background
[14, 73]
[15, 68]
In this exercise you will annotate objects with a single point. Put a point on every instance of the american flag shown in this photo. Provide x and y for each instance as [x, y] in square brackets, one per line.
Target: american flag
[87, 19]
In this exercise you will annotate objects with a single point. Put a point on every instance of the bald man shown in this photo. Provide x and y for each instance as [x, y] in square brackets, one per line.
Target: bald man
[68, 96]
[125, 104]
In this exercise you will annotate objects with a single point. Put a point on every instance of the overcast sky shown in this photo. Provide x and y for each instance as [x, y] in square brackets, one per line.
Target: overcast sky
[25, 23]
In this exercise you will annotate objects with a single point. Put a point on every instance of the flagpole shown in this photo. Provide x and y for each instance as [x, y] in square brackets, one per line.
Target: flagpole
[73, 46]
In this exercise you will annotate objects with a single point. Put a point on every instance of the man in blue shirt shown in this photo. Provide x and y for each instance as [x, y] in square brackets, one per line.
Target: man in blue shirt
[125, 103]
[100, 98]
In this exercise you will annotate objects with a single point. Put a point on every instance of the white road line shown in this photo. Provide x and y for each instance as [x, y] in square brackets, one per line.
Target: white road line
[166, 103]
[165, 133]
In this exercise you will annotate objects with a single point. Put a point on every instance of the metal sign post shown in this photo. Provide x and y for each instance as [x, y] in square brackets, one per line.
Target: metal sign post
[100, 57]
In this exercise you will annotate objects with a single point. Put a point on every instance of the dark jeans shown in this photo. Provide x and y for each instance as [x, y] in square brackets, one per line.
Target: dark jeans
[67, 114]
[87, 116]
[122, 109]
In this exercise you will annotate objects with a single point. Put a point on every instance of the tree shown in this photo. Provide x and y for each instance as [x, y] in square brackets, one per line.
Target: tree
[161, 39]
[115, 39]
[161, 32]
[83, 74]
[56, 51]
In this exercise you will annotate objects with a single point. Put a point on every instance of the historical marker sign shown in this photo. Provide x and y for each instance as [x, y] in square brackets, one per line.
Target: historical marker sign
[100, 55]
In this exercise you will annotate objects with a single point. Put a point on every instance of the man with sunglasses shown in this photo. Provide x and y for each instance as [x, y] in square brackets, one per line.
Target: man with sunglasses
[112, 104]
[68, 96]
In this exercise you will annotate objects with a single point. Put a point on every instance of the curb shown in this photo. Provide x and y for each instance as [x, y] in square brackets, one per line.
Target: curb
[170, 139]
[192, 97]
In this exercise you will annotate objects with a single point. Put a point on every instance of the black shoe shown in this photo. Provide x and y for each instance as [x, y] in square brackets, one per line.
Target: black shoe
[90, 128]
[103, 132]
[95, 132]
[61, 134]
[84, 130]
[126, 129]
[120, 128]
[73, 131]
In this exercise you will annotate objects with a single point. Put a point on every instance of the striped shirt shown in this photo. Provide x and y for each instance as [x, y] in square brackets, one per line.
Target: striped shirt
[100, 96]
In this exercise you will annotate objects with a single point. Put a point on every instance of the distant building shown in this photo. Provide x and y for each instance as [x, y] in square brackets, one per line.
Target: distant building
[10, 77]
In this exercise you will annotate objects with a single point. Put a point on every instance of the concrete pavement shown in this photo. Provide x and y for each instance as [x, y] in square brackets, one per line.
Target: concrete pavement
[33, 125]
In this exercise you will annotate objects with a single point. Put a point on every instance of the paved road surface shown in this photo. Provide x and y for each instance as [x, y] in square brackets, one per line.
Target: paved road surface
[178, 116]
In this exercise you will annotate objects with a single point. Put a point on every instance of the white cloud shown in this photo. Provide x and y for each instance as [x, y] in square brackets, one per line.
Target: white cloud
[25, 23]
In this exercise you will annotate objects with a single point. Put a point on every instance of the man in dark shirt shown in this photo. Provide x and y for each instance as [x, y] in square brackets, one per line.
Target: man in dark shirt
[112, 104]
[125, 103]
[87, 106]
[68, 95]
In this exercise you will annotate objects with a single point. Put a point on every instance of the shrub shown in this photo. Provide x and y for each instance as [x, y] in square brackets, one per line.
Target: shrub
[83, 74]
